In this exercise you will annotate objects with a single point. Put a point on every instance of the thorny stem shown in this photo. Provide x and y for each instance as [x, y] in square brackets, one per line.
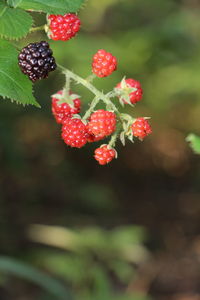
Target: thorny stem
[113, 140]
[99, 95]
[114, 137]
[66, 88]
[90, 110]
[91, 77]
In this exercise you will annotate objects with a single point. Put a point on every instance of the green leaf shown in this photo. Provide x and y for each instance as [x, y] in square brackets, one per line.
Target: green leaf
[15, 23]
[14, 267]
[13, 83]
[13, 3]
[194, 141]
[53, 6]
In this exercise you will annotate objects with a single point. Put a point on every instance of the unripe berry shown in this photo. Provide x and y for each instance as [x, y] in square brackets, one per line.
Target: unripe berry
[104, 154]
[104, 63]
[74, 132]
[102, 123]
[63, 27]
[91, 138]
[64, 110]
[125, 86]
[141, 128]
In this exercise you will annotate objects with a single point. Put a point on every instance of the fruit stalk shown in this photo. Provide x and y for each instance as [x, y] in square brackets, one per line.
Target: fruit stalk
[93, 89]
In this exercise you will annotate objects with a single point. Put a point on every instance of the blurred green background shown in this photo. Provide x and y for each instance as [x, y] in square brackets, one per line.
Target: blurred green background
[71, 229]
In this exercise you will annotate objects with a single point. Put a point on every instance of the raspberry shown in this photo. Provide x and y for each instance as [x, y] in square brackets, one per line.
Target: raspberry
[141, 128]
[126, 85]
[64, 110]
[63, 27]
[36, 60]
[102, 123]
[74, 132]
[104, 63]
[104, 154]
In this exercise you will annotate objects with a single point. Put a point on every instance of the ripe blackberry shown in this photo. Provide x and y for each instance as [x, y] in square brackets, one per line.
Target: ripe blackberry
[36, 60]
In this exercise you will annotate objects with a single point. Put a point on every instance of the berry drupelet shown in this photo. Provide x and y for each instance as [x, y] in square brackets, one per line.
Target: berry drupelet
[36, 60]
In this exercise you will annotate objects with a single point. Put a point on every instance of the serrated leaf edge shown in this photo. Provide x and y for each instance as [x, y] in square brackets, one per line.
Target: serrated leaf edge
[3, 36]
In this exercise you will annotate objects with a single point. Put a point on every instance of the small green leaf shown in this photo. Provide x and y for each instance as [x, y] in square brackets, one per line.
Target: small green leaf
[53, 6]
[15, 23]
[194, 141]
[13, 84]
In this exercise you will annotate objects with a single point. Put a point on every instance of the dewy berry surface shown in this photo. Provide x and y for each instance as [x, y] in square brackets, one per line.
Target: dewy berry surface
[104, 63]
[74, 132]
[36, 60]
[104, 154]
[141, 128]
[64, 110]
[63, 27]
[102, 123]
[134, 96]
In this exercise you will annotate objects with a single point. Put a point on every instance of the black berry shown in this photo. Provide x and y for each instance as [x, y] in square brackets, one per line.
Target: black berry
[36, 60]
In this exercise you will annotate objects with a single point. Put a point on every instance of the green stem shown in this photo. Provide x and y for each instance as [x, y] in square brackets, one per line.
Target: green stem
[90, 110]
[92, 88]
[91, 77]
[66, 90]
[111, 94]
[113, 140]
[33, 29]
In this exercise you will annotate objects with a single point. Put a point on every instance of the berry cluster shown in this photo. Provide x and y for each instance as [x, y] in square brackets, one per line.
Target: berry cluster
[36, 60]
[98, 124]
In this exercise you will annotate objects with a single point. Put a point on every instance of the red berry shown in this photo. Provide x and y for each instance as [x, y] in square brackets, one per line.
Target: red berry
[141, 128]
[64, 110]
[102, 123]
[104, 154]
[63, 27]
[74, 132]
[134, 96]
[104, 63]
[91, 137]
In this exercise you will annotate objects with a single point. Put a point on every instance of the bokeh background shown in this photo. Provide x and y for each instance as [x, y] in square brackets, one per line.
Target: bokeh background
[71, 229]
